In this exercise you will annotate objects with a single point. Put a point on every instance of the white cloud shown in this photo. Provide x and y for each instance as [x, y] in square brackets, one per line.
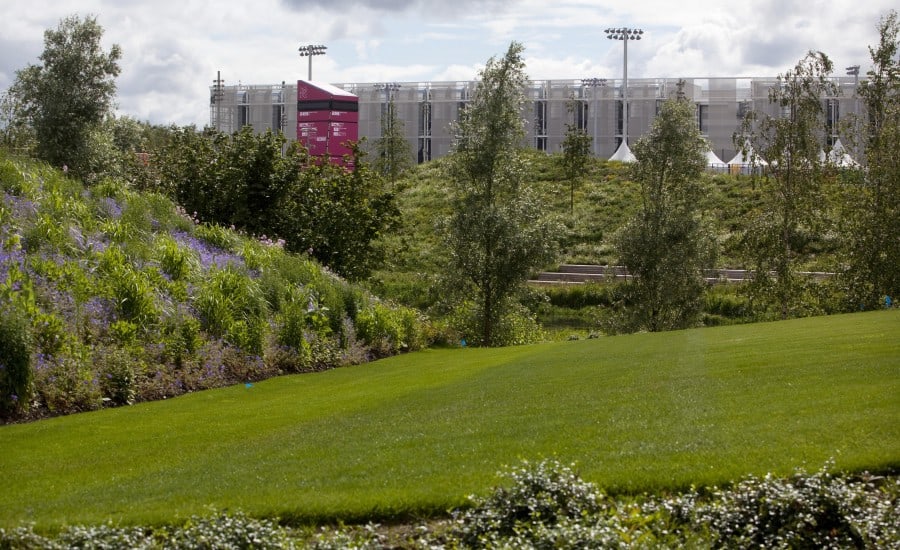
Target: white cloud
[172, 49]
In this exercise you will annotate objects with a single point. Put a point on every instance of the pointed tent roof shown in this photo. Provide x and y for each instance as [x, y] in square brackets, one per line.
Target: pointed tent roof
[712, 159]
[839, 156]
[741, 159]
[623, 153]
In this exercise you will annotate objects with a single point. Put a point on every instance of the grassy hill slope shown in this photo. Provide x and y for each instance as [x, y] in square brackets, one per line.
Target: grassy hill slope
[415, 434]
[123, 297]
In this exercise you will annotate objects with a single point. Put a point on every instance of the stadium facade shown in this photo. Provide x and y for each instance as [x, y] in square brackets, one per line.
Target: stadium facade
[429, 109]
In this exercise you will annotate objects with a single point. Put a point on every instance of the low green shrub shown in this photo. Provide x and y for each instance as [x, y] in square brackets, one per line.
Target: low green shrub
[542, 494]
[218, 236]
[16, 372]
[819, 510]
[727, 301]
[222, 531]
[583, 295]
[389, 329]
[117, 370]
[66, 383]
[517, 325]
[49, 333]
[176, 262]
[232, 306]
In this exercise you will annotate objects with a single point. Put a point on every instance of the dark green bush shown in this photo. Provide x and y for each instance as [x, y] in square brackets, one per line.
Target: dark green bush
[117, 370]
[583, 295]
[727, 301]
[16, 373]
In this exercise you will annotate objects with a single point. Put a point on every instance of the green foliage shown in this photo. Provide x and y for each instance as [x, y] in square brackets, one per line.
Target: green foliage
[665, 246]
[67, 97]
[217, 236]
[245, 181]
[871, 209]
[231, 306]
[388, 329]
[66, 383]
[16, 372]
[337, 216]
[393, 155]
[176, 262]
[497, 233]
[118, 370]
[576, 156]
[820, 510]
[130, 288]
[515, 326]
[548, 505]
[583, 295]
[543, 495]
[215, 531]
[792, 198]
[127, 300]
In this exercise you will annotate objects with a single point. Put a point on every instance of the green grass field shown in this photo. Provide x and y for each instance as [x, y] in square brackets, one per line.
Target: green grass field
[414, 435]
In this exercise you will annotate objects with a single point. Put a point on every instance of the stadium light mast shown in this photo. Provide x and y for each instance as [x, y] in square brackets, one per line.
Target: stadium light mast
[594, 83]
[624, 34]
[853, 70]
[310, 51]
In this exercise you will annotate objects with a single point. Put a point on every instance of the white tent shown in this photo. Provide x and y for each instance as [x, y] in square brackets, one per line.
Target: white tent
[712, 159]
[623, 153]
[839, 156]
[743, 159]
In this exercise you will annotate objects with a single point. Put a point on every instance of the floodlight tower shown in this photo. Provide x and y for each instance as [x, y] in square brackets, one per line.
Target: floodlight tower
[310, 51]
[853, 70]
[624, 34]
[217, 97]
[594, 83]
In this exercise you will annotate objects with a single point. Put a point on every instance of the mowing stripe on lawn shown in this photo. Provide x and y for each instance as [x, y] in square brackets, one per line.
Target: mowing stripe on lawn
[415, 434]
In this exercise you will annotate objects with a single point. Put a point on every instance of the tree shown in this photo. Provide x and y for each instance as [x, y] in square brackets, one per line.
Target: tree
[793, 199]
[71, 93]
[496, 234]
[393, 155]
[15, 133]
[873, 209]
[664, 246]
[576, 148]
[314, 205]
[337, 214]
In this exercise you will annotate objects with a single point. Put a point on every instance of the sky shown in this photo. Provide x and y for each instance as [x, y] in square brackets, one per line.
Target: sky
[172, 49]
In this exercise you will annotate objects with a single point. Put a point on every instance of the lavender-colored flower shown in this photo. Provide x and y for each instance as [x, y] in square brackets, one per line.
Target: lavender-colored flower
[110, 208]
[210, 256]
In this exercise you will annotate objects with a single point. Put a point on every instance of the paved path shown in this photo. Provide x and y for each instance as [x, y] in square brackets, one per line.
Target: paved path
[578, 273]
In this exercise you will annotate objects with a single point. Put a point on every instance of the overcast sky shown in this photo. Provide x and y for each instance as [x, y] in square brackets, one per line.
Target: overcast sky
[173, 48]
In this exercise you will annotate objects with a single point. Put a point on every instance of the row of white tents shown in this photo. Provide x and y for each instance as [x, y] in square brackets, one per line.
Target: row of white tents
[837, 156]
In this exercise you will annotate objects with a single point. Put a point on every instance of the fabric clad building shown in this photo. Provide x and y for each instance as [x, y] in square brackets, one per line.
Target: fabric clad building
[429, 109]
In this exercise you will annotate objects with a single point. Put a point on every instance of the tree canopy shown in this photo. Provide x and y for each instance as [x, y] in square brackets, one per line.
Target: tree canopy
[497, 233]
[70, 93]
[664, 246]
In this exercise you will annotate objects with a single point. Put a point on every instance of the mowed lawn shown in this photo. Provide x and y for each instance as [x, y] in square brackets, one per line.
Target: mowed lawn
[414, 435]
